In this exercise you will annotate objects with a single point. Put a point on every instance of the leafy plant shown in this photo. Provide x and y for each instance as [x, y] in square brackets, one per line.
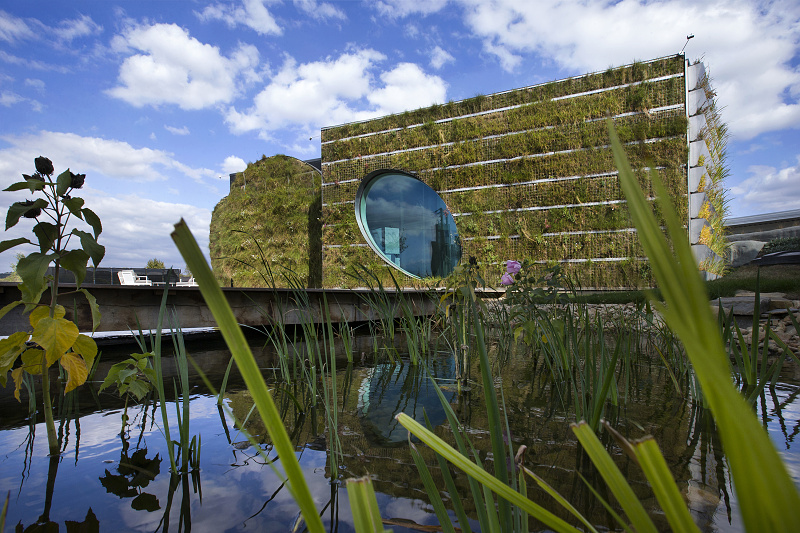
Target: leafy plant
[53, 337]
[155, 263]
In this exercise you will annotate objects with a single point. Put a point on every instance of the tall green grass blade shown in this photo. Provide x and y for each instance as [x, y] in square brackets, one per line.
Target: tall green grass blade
[249, 370]
[561, 500]
[489, 481]
[364, 506]
[614, 479]
[658, 474]
[768, 498]
[432, 490]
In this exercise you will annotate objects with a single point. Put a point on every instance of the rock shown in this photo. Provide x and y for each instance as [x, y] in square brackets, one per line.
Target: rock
[743, 252]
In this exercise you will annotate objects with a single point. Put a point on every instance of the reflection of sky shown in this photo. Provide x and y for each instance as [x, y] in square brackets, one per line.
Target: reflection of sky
[398, 201]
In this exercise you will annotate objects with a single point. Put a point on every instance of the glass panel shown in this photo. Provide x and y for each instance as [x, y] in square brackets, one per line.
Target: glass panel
[409, 225]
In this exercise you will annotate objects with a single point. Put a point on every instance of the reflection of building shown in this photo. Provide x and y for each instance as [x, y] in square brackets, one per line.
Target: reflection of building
[446, 246]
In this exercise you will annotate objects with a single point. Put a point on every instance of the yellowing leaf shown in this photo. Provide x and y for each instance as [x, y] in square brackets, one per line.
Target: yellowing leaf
[56, 336]
[10, 348]
[32, 361]
[76, 371]
[17, 375]
[86, 347]
[43, 311]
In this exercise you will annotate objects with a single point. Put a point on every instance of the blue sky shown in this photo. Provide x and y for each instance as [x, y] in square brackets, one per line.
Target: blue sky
[158, 101]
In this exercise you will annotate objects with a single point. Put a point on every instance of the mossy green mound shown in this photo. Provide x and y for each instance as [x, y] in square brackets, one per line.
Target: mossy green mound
[269, 225]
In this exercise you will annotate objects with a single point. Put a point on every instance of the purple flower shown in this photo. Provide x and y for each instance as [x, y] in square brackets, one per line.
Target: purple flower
[513, 267]
[506, 279]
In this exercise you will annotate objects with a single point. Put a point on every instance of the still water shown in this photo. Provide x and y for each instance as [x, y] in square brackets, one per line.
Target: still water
[108, 480]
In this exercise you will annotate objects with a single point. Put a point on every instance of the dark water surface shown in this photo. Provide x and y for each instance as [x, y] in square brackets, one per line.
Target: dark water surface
[114, 482]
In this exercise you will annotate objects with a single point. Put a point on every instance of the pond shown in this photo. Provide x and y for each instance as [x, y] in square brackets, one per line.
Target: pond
[112, 480]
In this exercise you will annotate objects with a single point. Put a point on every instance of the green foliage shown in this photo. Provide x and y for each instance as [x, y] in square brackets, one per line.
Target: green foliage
[526, 173]
[787, 244]
[269, 222]
[155, 263]
[133, 376]
[53, 339]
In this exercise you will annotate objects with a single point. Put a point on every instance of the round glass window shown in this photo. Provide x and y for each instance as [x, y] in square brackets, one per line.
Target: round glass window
[407, 224]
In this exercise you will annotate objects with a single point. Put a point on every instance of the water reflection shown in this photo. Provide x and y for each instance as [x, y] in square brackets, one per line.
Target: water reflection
[392, 388]
[116, 483]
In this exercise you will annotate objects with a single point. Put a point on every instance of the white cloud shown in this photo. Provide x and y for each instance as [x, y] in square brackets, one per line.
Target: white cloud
[439, 57]
[135, 228]
[335, 91]
[36, 84]
[175, 68]
[10, 98]
[407, 87]
[233, 164]
[13, 28]
[110, 158]
[320, 11]
[769, 189]
[253, 14]
[177, 131]
[403, 8]
[749, 46]
[82, 26]
[312, 93]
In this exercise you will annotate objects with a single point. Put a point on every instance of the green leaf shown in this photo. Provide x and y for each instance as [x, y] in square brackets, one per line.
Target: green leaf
[47, 234]
[17, 209]
[32, 361]
[93, 307]
[769, 499]
[90, 246]
[32, 269]
[93, 220]
[62, 182]
[250, 371]
[664, 487]
[8, 307]
[7, 245]
[74, 205]
[10, 348]
[75, 261]
[432, 490]
[482, 476]
[30, 184]
[86, 348]
[364, 505]
[56, 336]
[613, 477]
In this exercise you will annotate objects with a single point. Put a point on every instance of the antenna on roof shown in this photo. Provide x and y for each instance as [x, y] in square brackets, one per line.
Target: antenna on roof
[688, 38]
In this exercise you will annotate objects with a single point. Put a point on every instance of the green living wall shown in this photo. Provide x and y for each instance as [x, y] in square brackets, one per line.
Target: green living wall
[527, 173]
[269, 225]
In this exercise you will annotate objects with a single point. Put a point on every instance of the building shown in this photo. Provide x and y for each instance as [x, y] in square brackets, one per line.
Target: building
[524, 174]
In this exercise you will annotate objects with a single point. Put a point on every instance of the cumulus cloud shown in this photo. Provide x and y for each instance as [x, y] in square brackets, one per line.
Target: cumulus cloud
[320, 11]
[334, 91]
[439, 57]
[252, 14]
[233, 164]
[175, 68]
[749, 47]
[407, 87]
[769, 189]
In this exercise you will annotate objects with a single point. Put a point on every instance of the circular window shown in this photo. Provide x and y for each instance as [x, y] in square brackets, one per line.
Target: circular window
[407, 224]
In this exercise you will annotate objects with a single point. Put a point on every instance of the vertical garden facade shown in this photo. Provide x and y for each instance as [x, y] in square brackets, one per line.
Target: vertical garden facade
[525, 174]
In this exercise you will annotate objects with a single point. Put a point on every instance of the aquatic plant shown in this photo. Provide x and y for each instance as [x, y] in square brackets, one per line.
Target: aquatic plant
[53, 338]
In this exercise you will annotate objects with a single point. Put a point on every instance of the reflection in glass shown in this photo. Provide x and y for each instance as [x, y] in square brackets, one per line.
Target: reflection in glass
[408, 224]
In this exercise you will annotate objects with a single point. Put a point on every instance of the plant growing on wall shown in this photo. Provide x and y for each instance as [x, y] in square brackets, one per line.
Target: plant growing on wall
[53, 339]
